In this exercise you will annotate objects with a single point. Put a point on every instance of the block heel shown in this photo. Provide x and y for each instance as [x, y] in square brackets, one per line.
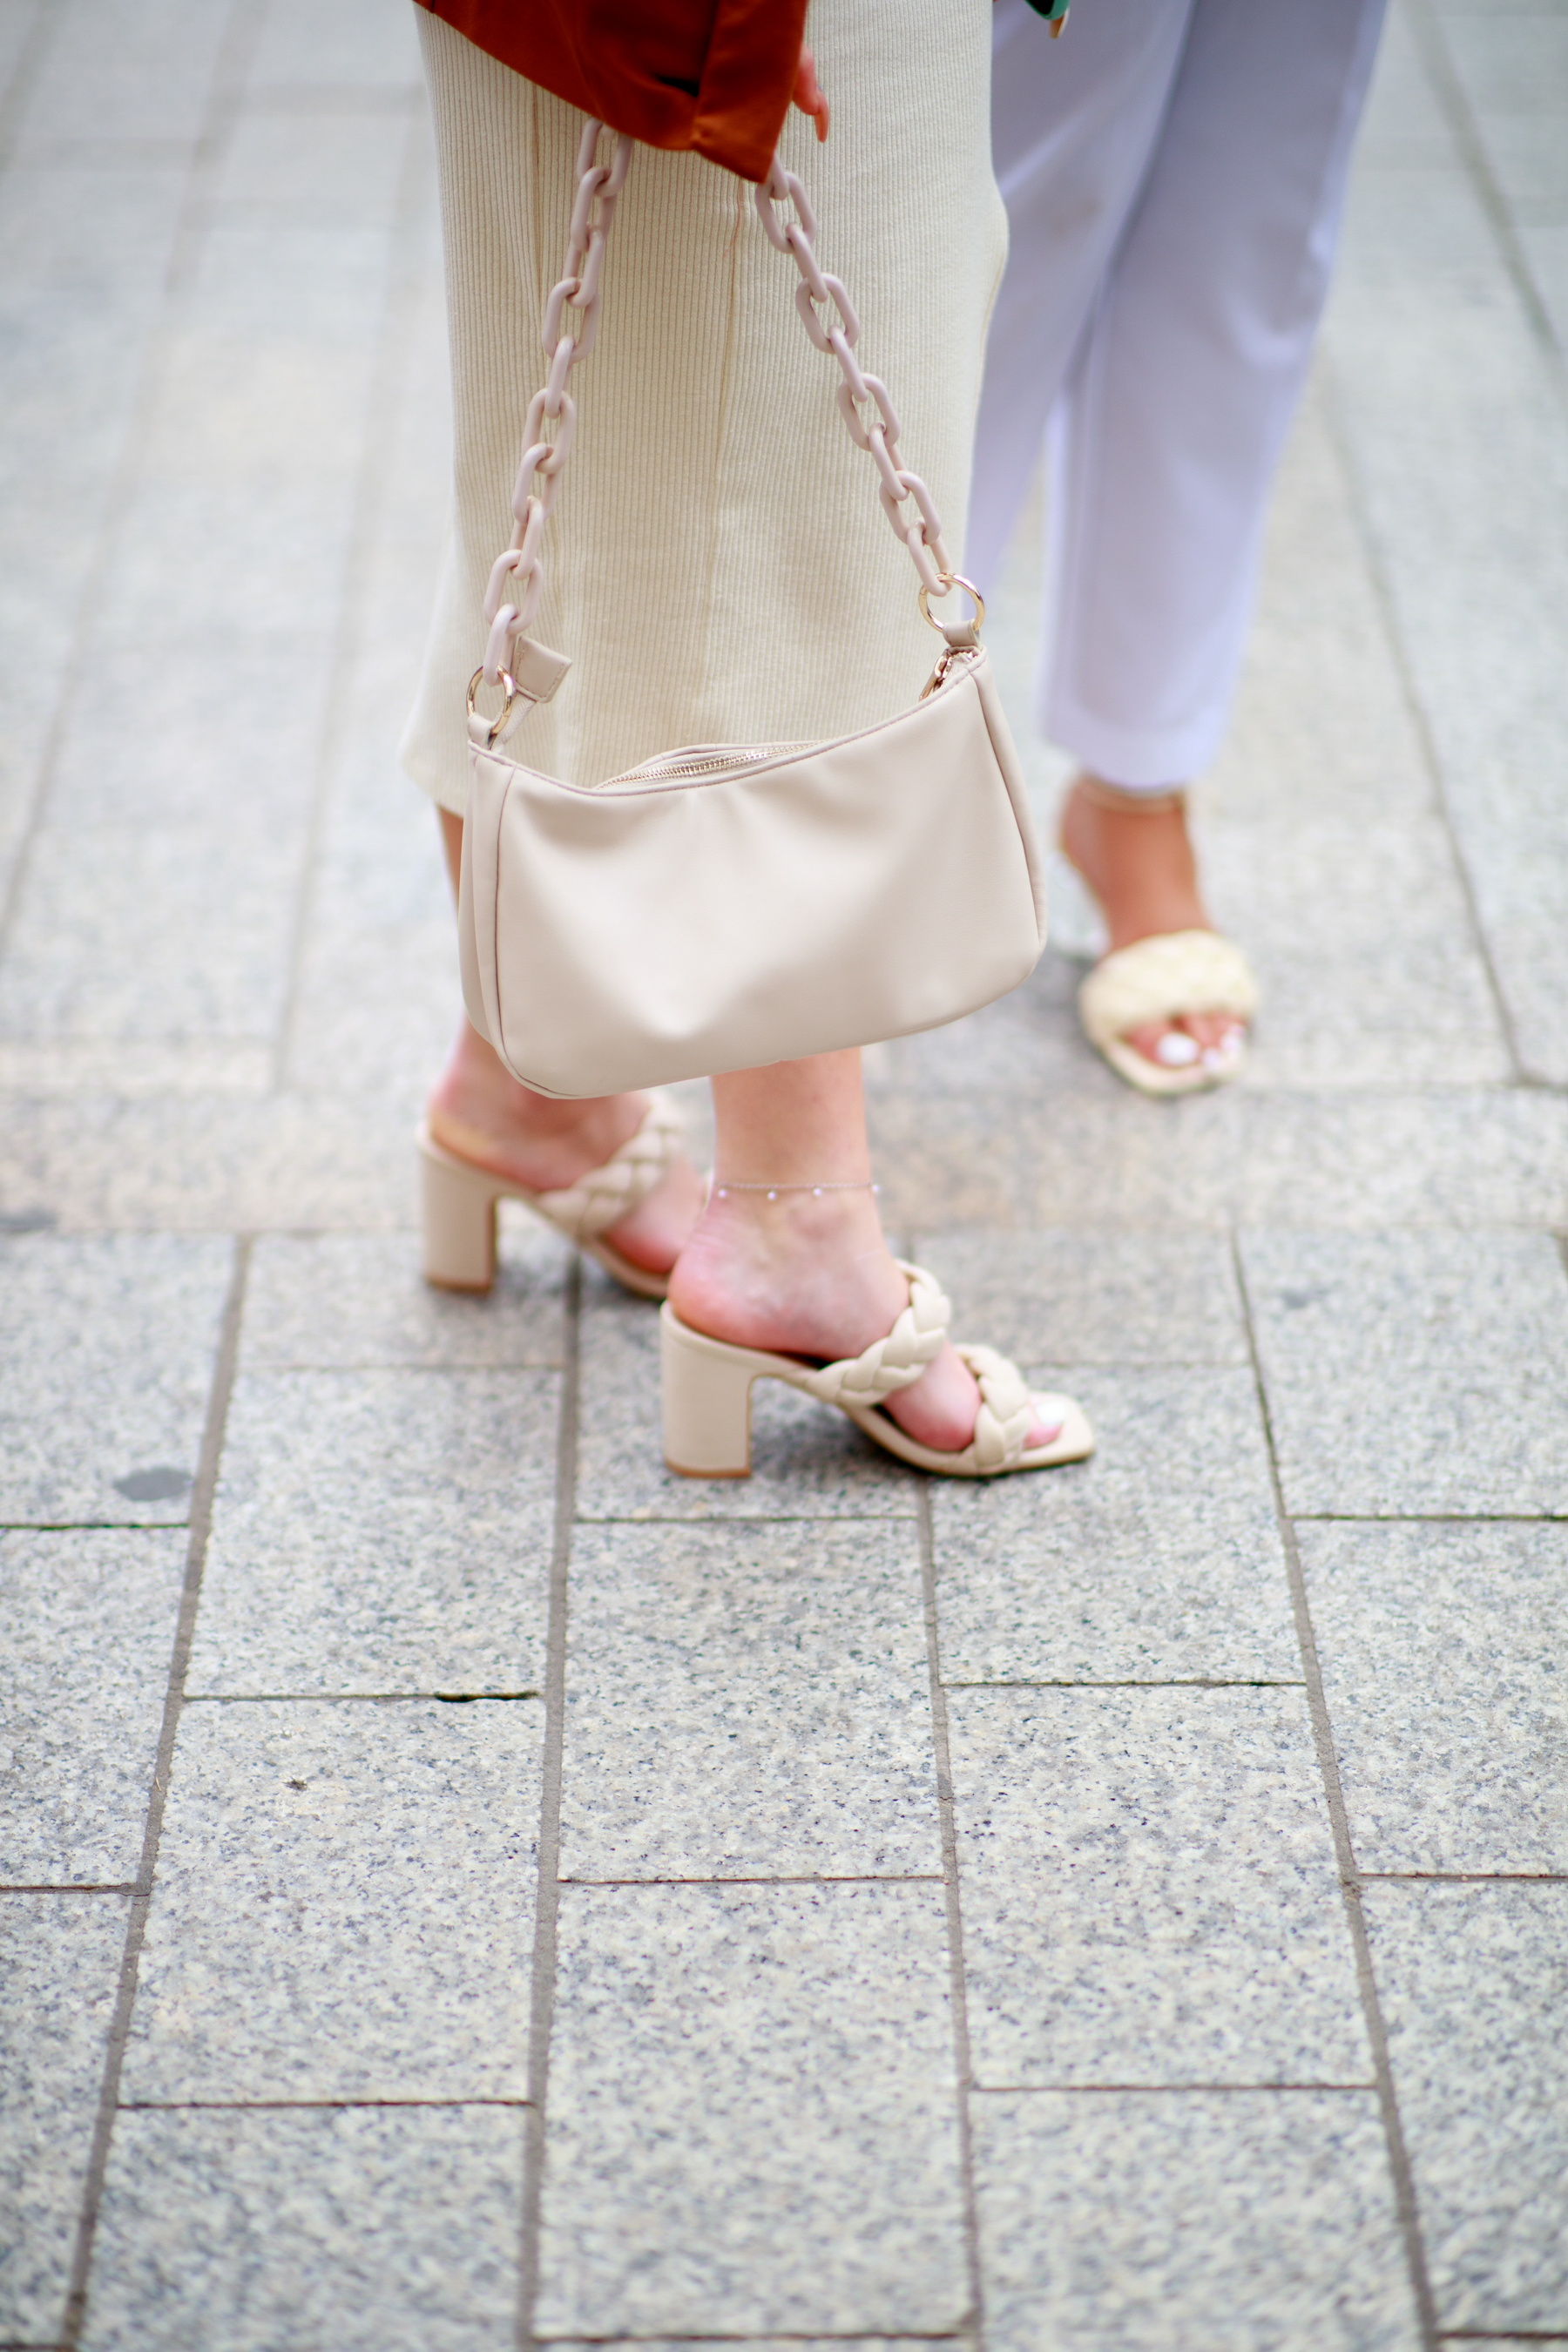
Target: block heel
[459, 1219]
[460, 1198]
[705, 1393]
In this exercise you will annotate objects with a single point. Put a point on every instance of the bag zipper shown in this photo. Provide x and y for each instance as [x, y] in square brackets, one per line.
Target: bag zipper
[716, 759]
[703, 760]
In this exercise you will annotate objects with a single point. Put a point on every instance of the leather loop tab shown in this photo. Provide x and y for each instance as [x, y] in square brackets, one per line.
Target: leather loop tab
[537, 671]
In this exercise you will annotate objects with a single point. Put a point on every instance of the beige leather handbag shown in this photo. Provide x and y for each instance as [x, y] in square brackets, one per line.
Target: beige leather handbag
[724, 907]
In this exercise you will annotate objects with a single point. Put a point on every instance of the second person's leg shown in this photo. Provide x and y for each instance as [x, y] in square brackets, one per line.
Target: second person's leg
[1167, 440]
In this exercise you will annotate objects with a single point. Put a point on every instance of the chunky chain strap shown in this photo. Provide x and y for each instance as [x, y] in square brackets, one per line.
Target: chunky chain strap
[517, 577]
[879, 430]
[519, 571]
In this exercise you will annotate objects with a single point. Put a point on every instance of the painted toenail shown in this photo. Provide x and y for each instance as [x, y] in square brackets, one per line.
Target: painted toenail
[1177, 1050]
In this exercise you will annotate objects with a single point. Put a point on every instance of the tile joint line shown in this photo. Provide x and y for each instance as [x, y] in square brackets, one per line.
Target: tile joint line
[945, 1815]
[206, 1486]
[1345, 1851]
[1454, 101]
[1403, 664]
[542, 2006]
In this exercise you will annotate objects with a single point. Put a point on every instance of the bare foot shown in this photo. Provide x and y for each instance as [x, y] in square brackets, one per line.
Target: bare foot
[1141, 867]
[809, 1274]
[477, 1110]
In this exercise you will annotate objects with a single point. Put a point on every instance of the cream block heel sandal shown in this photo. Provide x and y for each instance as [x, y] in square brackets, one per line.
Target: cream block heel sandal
[461, 1197]
[707, 1396]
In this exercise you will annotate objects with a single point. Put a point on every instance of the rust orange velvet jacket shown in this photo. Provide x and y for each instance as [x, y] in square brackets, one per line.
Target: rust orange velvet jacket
[713, 75]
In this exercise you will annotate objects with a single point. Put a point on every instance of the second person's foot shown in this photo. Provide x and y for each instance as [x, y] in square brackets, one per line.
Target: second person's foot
[1139, 862]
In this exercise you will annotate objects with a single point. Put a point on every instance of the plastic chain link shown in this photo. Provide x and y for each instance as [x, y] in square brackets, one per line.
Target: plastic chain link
[878, 430]
[518, 575]
[519, 572]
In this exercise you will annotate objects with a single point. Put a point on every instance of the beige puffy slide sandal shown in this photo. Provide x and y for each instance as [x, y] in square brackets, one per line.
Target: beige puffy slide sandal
[1158, 979]
[460, 1198]
[707, 1396]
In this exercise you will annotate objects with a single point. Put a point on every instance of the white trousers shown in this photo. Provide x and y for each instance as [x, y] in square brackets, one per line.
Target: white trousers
[1175, 173]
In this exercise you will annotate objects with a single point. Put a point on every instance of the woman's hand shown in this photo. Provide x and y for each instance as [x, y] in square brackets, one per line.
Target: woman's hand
[808, 95]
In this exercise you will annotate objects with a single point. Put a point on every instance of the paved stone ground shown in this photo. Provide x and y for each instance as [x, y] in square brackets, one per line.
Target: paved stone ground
[457, 1879]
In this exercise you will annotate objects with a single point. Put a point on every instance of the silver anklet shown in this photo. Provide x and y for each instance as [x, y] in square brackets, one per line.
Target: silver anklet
[842, 1184]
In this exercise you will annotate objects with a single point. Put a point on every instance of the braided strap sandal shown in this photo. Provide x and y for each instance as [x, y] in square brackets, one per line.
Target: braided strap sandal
[707, 1396]
[461, 1197]
[1158, 979]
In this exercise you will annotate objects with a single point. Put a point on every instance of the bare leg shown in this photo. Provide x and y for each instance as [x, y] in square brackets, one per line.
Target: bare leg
[477, 1109]
[805, 1273]
[1139, 866]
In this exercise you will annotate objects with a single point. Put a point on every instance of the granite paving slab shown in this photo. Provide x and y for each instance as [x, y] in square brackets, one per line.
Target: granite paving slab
[381, 2229]
[172, 705]
[209, 1160]
[130, 932]
[16, 23]
[1159, 1559]
[381, 1531]
[1149, 1894]
[106, 1351]
[343, 1302]
[84, 253]
[1414, 1374]
[257, 429]
[289, 524]
[157, 72]
[89, 1624]
[1513, 62]
[377, 1000]
[748, 1701]
[314, 286]
[1085, 1297]
[302, 1161]
[1026, 1044]
[344, 1905]
[1375, 1159]
[807, 1460]
[59, 1973]
[735, 2069]
[1291, 747]
[376, 997]
[1348, 999]
[1155, 2220]
[359, 43]
[962, 1162]
[1468, 526]
[338, 167]
[1442, 1651]
[1473, 1981]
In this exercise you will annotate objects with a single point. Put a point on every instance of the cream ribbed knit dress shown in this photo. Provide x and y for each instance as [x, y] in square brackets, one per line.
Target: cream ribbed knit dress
[719, 568]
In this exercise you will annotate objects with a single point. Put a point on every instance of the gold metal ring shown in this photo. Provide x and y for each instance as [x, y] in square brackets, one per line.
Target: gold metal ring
[954, 580]
[508, 706]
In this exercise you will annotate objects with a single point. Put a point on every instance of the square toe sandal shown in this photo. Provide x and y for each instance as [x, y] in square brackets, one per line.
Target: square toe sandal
[459, 1205]
[706, 1389]
[1156, 979]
